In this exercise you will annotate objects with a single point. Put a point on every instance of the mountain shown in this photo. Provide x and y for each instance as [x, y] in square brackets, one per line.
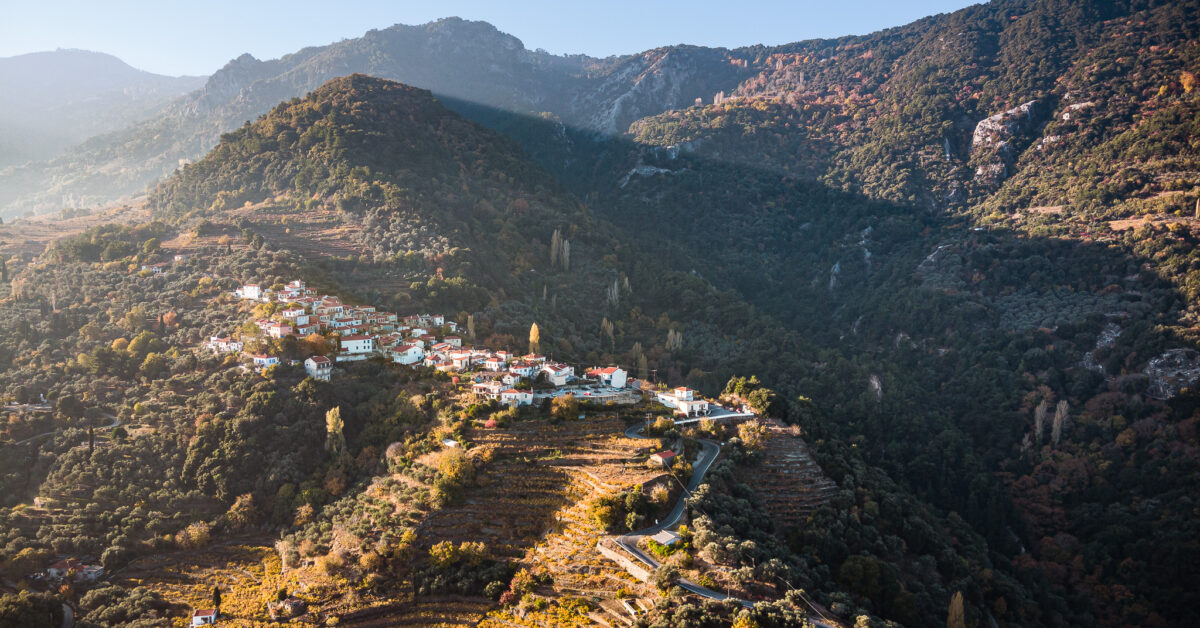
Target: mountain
[456, 59]
[380, 192]
[976, 219]
[51, 101]
[960, 257]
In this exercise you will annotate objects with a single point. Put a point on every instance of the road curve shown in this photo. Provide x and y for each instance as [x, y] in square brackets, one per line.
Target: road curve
[699, 469]
[630, 541]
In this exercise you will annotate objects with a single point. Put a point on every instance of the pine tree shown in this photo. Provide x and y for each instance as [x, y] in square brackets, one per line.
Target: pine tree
[566, 254]
[555, 247]
[470, 325]
[643, 367]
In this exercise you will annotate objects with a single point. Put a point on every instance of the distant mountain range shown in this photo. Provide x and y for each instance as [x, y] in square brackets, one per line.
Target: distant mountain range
[454, 58]
[50, 101]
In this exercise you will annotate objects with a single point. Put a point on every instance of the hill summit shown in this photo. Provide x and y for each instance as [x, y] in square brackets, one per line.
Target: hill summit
[387, 160]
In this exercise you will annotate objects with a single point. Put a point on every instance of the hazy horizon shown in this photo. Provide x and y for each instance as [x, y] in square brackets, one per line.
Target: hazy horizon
[198, 40]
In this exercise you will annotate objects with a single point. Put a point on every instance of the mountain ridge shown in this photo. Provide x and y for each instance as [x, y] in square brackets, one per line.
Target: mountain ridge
[55, 99]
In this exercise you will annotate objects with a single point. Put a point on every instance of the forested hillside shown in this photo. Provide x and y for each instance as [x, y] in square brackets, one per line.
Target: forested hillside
[958, 255]
[963, 261]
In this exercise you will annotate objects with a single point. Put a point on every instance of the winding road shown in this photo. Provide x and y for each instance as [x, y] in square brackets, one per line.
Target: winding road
[629, 542]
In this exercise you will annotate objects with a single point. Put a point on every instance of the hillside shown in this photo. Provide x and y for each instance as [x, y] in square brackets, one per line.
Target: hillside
[374, 189]
[54, 100]
[959, 259]
[959, 255]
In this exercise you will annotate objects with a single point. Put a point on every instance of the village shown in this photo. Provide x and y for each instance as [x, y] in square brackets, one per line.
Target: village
[431, 340]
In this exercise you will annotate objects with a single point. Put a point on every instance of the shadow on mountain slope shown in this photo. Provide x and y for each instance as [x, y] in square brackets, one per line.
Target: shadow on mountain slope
[933, 340]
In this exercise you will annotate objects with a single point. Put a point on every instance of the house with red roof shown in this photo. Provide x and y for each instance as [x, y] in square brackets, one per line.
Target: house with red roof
[663, 458]
[319, 367]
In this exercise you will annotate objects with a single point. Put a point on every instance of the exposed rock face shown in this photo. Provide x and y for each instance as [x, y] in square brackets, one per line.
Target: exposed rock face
[648, 84]
[996, 131]
[1172, 371]
[994, 137]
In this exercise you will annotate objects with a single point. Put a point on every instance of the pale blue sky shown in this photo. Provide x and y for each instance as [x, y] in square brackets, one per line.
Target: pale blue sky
[199, 36]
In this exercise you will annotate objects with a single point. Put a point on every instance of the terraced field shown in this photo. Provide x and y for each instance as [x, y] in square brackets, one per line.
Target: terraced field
[790, 483]
[592, 457]
[530, 506]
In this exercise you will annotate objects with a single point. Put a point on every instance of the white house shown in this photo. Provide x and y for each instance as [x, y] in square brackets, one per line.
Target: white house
[494, 363]
[514, 397]
[407, 354]
[223, 344]
[558, 374]
[524, 369]
[318, 367]
[61, 569]
[488, 390]
[204, 617]
[613, 376]
[262, 361]
[250, 291]
[684, 401]
[357, 345]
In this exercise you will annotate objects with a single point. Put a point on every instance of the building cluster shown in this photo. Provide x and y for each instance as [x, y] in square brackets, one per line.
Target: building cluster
[416, 340]
[500, 372]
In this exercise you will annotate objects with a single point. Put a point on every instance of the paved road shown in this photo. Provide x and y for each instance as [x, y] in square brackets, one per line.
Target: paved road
[699, 469]
[630, 541]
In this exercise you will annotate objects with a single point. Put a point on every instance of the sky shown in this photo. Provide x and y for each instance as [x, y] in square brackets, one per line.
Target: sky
[197, 37]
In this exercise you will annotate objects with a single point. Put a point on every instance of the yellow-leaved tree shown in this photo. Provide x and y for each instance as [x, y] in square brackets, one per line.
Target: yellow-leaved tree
[535, 338]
